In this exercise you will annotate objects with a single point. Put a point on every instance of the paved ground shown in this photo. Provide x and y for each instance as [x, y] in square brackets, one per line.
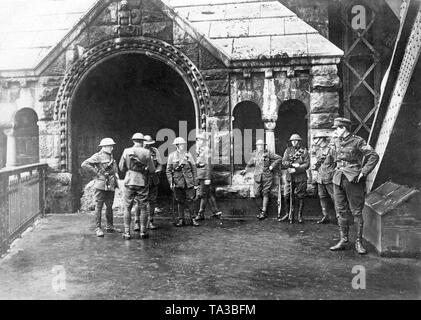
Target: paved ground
[236, 260]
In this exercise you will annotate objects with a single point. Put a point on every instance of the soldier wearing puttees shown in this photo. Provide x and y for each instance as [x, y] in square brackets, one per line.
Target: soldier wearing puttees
[136, 163]
[325, 168]
[264, 162]
[355, 159]
[296, 159]
[103, 165]
[153, 183]
[205, 191]
[182, 176]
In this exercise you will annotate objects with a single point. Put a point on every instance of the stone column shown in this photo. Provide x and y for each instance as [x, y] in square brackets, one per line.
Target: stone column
[11, 160]
[270, 124]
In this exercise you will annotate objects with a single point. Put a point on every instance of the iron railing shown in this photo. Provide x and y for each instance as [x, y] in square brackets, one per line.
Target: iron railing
[22, 200]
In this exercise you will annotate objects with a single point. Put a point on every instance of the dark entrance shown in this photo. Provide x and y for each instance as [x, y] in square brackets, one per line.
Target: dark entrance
[126, 94]
[292, 118]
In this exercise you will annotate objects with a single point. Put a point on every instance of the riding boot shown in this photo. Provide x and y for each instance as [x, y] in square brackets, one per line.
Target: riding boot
[201, 212]
[181, 221]
[300, 210]
[286, 206]
[325, 218]
[264, 207]
[359, 241]
[342, 244]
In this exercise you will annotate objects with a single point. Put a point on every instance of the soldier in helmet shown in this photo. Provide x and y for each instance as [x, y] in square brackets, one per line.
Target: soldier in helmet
[205, 191]
[136, 163]
[103, 165]
[264, 163]
[153, 179]
[355, 159]
[325, 169]
[182, 176]
[297, 160]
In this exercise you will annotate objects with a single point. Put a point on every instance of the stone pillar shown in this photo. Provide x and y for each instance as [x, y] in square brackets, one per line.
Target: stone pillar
[11, 160]
[270, 124]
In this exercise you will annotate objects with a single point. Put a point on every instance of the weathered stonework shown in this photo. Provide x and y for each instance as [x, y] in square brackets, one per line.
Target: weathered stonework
[59, 193]
[324, 102]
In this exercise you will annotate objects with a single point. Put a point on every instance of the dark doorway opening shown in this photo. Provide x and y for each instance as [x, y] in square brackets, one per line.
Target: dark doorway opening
[126, 94]
[292, 118]
[247, 117]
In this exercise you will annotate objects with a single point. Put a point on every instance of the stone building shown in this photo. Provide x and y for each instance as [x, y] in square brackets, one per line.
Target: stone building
[77, 71]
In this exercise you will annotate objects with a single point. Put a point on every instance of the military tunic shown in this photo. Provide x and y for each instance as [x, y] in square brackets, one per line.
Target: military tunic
[325, 169]
[204, 171]
[349, 153]
[182, 173]
[104, 166]
[154, 177]
[263, 176]
[299, 178]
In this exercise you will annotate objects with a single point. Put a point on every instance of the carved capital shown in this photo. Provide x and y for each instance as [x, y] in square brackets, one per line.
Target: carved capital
[269, 121]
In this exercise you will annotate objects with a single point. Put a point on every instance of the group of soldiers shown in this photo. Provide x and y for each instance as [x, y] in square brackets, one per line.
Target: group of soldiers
[141, 164]
[342, 165]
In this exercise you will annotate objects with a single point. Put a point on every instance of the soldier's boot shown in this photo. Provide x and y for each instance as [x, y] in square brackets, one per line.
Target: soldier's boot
[136, 219]
[98, 212]
[143, 222]
[300, 210]
[264, 207]
[214, 207]
[325, 218]
[286, 206]
[192, 215]
[151, 213]
[292, 211]
[343, 241]
[359, 241]
[126, 234]
[181, 221]
[201, 211]
[110, 223]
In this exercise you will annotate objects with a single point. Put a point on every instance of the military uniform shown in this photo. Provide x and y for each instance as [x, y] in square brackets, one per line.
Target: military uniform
[264, 162]
[349, 194]
[205, 190]
[103, 165]
[136, 183]
[153, 184]
[325, 169]
[182, 174]
[296, 181]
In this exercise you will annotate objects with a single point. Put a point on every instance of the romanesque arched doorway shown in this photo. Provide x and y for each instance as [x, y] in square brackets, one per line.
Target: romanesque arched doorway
[247, 128]
[292, 118]
[122, 86]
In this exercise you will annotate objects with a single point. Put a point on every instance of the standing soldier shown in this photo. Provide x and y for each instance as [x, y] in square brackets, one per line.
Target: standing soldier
[264, 162]
[153, 181]
[205, 191]
[104, 166]
[182, 177]
[355, 159]
[137, 164]
[297, 160]
[325, 168]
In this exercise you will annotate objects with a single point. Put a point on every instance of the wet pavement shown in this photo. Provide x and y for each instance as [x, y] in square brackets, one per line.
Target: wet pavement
[247, 259]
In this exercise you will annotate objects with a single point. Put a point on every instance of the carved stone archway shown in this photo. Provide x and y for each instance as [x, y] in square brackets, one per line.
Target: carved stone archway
[153, 48]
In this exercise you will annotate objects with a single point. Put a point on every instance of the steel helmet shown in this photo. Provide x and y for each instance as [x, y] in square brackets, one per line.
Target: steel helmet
[260, 141]
[138, 136]
[106, 142]
[201, 136]
[149, 140]
[322, 134]
[179, 140]
[295, 136]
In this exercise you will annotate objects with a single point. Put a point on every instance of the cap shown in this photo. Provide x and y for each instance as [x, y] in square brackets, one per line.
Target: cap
[322, 134]
[149, 140]
[201, 136]
[106, 142]
[295, 136]
[341, 122]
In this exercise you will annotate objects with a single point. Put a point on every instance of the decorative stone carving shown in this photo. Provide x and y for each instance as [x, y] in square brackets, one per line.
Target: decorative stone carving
[154, 48]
